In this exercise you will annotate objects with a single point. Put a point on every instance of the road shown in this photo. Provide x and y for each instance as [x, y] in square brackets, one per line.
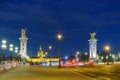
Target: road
[99, 72]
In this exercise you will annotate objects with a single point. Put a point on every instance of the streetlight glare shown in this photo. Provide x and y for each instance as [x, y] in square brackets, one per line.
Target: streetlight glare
[86, 53]
[4, 46]
[76, 55]
[46, 53]
[4, 41]
[66, 57]
[50, 47]
[16, 48]
[20, 52]
[107, 47]
[77, 52]
[11, 45]
[59, 36]
[11, 49]
[16, 51]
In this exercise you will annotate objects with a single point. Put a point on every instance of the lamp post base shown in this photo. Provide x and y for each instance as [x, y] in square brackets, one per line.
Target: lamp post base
[59, 66]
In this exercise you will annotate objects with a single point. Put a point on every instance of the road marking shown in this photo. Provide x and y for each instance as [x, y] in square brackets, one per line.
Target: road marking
[79, 74]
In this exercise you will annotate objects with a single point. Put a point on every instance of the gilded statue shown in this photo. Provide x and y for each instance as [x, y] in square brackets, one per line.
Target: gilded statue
[92, 35]
[23, 33]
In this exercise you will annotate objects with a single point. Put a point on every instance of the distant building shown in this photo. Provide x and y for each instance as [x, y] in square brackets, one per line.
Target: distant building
[41, 58]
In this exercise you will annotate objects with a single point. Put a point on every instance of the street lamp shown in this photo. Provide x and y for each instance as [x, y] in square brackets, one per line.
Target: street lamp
[16, 52]
[11, 50]
[77, 52]
[20, 56]
[97, 58]
[16, 49]
[50, 47]
[46, 53]
[59, 37]
[86, 55]
[77, 55]
[102, 58]
[113, 57]
[107, 49]
[4, 46]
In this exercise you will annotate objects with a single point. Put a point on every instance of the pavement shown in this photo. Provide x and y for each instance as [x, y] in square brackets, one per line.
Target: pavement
[95, 72]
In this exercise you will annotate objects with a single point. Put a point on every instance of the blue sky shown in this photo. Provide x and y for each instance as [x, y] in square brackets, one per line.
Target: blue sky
[75, 19]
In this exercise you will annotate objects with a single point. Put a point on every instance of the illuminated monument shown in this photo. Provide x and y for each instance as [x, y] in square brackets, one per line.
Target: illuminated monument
[40, 53]
[93, 46]
[40, 56]
[23, 42]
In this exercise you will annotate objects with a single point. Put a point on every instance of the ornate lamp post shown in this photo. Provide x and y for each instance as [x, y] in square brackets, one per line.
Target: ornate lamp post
[4, 46]
[11, 50]
[107, 49]
[59, 37]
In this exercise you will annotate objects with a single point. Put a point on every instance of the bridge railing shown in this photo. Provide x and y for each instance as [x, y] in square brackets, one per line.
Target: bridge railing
[6, 65]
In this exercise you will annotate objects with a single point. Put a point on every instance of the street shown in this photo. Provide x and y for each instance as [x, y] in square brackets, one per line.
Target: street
[97, 72]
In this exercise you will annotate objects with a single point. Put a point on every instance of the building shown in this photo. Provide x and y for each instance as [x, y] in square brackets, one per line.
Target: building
[41, 59]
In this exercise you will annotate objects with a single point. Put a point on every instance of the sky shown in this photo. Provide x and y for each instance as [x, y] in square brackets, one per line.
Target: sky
[75, 19]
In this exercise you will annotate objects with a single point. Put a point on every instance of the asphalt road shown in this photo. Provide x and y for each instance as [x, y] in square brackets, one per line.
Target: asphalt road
[99, 72]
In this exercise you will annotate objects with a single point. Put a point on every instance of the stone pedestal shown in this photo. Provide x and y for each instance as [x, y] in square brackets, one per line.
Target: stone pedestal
[93, 48]
[23, 45]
